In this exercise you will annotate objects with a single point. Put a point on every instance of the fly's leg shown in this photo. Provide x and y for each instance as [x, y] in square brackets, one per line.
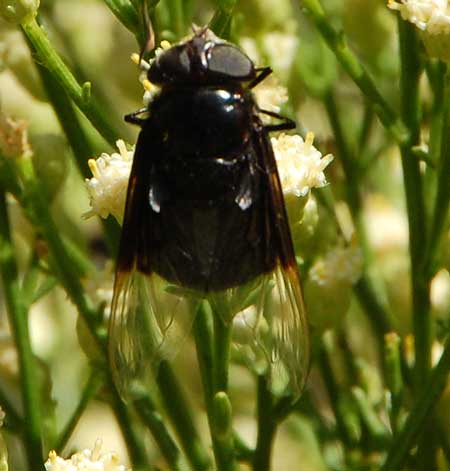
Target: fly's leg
[133, 118]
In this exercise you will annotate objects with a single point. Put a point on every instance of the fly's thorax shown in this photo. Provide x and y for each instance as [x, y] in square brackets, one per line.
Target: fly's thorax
[202, 122]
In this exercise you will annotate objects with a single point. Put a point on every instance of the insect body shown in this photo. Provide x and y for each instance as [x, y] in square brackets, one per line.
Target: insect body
[205, 217]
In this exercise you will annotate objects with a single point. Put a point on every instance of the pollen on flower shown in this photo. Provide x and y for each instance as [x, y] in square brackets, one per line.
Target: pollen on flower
[300, 164]
[85, 460]
[108, 186]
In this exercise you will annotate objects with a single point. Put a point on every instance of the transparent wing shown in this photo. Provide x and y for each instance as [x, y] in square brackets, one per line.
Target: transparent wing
[279, 340]
[148, 319]
[149, 322]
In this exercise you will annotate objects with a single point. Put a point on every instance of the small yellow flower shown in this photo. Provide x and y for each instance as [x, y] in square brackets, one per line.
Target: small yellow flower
[86, 460]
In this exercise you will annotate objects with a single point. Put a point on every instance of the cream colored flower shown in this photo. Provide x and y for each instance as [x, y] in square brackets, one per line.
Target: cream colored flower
[432, 17]
[300, 164]
[86, 460]
[108, 186]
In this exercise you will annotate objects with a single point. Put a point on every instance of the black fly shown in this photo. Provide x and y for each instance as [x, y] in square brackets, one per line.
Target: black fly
[205, 219]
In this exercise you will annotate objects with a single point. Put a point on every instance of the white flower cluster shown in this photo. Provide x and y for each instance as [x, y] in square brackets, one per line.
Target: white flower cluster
[430, 15]
[108, 186]
[86, 460]
[300, 164]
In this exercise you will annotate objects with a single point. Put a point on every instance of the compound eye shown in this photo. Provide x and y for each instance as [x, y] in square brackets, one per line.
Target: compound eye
[228, 60]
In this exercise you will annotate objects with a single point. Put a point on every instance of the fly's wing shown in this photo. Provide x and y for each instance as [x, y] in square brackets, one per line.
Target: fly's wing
[148, 319]
[271, 329]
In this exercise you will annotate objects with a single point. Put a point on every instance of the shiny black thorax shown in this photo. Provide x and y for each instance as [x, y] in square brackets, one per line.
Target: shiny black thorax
[206, 208]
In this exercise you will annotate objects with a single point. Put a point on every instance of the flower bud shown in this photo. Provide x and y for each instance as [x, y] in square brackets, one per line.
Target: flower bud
[18, 11]
[328, 289]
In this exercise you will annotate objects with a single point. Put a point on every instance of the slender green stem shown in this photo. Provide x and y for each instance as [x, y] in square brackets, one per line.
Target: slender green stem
[222, 342]
[442, 198]
[203, 334]
[367, 286]
[133, 438]
[125, 12]
[422, 408]
[93, 384]
[334, 394]
[177, 19]
[221, 21]
[39, 210]
[152, 418]
[337, 42]
[18, 319]
[50, 58]
[409, 82]
[266, 427]
[179, 412]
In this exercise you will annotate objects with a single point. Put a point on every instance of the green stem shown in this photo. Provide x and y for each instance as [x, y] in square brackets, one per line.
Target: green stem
[337, 42]
[177, 19]
[266, 427]
[50, 58]
[367, 289]
[18, 319]
[222, 342]
[92, 386]
[221, 21]
[442, 198]
[206, 354]
[334, 393]
[132, 437]
[421, 410]
[409, 82]
[152, 418]
[179, 412]
[80, 143]
[125, 12]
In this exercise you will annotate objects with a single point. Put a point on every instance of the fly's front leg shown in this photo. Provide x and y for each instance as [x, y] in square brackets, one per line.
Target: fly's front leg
[134, 119]
[264, 73]
[284, 126]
